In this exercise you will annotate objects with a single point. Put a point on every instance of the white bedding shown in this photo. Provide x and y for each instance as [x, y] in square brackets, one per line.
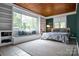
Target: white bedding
[60, 36]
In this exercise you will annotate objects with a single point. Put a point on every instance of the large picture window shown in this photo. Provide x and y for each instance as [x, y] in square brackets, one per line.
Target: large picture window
[25, 24]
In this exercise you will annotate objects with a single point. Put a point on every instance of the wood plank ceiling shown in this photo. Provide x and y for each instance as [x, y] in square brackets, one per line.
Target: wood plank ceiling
[49, 9]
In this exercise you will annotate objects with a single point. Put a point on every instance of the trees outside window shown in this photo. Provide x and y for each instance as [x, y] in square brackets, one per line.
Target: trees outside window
[24, 22]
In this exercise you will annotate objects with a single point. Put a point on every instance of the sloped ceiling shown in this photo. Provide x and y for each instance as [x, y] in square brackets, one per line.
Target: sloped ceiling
[49, 9]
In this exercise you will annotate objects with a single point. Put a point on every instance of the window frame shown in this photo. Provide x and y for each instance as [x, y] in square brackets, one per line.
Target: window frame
[37, 20]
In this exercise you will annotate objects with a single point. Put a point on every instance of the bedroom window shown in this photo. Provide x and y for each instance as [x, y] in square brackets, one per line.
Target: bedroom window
[59, 22]
[24, 24]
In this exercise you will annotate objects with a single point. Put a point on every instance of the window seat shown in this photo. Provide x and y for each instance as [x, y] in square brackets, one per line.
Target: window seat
[21, 39]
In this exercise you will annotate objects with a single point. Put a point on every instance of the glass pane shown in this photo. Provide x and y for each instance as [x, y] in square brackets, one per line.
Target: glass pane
[17, 20]
[56, 25]
[62, 25]
[29, 23]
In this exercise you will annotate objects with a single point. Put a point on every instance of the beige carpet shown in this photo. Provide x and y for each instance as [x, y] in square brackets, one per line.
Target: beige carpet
[46, 48]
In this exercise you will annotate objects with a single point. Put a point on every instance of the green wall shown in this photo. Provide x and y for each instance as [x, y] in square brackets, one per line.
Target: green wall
[77, 22]
[49, 22]
[71, 23]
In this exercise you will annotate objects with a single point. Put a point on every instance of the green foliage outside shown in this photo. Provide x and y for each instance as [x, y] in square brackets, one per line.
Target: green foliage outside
[30, 24]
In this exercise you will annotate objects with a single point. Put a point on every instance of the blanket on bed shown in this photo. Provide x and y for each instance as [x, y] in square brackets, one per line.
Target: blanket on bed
[59, 36]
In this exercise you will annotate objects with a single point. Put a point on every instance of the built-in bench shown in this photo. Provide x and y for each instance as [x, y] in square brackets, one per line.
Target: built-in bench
[26, 38]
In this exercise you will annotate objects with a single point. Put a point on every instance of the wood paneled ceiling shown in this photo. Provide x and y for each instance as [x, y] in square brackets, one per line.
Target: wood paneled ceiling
[49, 9]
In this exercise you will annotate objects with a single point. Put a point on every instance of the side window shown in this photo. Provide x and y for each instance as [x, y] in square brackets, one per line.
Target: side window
[59, 22]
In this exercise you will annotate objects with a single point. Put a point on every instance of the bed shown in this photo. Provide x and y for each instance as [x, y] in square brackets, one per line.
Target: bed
[57, 34]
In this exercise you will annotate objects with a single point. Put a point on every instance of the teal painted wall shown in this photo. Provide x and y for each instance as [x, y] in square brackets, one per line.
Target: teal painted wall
[77, 22]
[49, 22]
[71, 23]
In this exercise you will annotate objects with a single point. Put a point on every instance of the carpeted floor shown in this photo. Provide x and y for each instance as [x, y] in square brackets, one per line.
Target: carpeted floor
[47, 48]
